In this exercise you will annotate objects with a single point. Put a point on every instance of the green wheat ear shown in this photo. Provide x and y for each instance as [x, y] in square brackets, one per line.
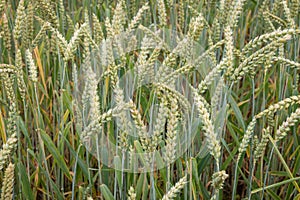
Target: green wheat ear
[286, 126]
[8, 183]
[19, 25]
[7, 150]
[172, 193]
[131, 194]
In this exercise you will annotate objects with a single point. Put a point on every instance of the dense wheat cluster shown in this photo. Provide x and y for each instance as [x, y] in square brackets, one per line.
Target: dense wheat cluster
[159, 99]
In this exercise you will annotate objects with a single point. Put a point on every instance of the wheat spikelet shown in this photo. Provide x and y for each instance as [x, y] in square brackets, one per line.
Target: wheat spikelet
[181, 14]
[138, 17]
[235, 11]
[247, 65]
[31, 66]
[246, 138]
[41, 33]
[217, 96]
[72, 45]
[218, 179]
[8, 183]
[190, 66]
[19, 74]
[166, 68]
[8, 86]
[294, 8]
[284, 104]
[95, 124]
[124, 123]
[87, 21]
[287, 62]
[210, 77]
[141, 64]
[272, 109]
[131, 194]
[61, 10]
[119, 18]
[28, 35]
[48, 12]
[154, 35]
[229, 49]
[216, 29]
[276, 6]
[172, 193]
[269, 111]
[59, 39]
[261, 146]
[2, 5]
[290, 21]
[97, 30]
[141, 129]
[171, 134]
[7, 150]
[213, 143]
[7, 35]
[153, 57]
[267, 38]
[196, 25]
[285, 126]
[159, 125]
[70, 24]
[12, 113]
[19, 24]
[93, 96]
[162, 14]
[108, 27]
[5, 68]
[173, 94]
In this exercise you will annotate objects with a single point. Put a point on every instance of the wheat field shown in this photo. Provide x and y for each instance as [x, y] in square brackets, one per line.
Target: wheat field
[159, 99]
